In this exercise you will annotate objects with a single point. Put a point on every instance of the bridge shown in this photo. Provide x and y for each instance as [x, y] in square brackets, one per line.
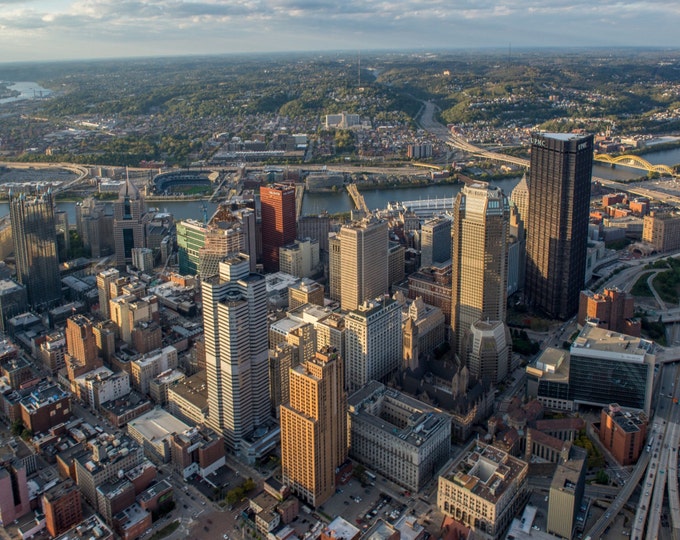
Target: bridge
[639, 190]
[358, 198]
[462, 144]
[299, 198]
[635, 162]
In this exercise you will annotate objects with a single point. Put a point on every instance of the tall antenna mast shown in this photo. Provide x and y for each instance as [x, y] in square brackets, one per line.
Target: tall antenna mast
[360, 68]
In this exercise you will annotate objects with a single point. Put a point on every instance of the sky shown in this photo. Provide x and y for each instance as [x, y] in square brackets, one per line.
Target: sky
[34, 30]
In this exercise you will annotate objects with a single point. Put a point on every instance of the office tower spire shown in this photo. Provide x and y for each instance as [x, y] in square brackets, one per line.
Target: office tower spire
[557, 221]
[128, 228]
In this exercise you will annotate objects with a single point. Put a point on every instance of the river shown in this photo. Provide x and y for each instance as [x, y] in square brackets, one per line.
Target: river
[313, 203]
[340, 201]
[27, 90]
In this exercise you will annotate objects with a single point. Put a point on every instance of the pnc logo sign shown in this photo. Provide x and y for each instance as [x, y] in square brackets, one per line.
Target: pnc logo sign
[582, 146]
[537, 142]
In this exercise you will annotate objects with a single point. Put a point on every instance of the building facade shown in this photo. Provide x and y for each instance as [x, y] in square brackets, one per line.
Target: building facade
[608, 367]
[489, 351]
[373, 342]
[435, 243]
[483, 489]
[62, 507]
[557, 222]
[300, 259]
[314, 427]
[363, 262]
[400, 437]
[278, 222]
[612, 309]
[623, 432]
[235, 326]
[128, 225]
[35, 247]
[662, 231]
[479, 276]
[566, 491]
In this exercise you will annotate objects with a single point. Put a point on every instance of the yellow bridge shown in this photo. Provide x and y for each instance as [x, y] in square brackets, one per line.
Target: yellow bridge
[358, 198]
[635, 162]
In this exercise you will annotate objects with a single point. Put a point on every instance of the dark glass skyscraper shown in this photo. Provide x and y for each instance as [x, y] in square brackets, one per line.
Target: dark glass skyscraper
[35, 247]
[128, 227]
[557, 221]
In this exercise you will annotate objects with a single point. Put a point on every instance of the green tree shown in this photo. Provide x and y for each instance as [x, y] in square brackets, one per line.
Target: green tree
[602, 477]
[17, 427]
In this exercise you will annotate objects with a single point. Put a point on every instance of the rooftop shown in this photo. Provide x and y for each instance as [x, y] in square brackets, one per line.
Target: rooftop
[90, 528]
[629, 420]
[408, 419]
[157, 424]
[601, 343]
[340, 528]
[485, 471]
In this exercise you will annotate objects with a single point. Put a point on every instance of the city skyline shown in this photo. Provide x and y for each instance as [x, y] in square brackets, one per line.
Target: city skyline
[37, 30]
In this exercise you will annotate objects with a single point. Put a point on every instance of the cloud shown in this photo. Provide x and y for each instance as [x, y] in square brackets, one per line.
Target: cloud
[112, 27]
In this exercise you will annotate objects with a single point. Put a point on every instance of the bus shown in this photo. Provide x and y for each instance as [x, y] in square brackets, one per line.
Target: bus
[370, 475]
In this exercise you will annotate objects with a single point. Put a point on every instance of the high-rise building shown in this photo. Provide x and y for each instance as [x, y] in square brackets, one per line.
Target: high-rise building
[201, 247]
[364, 262]
[281, 358]
[517, 251]
[13, 300]
[608, 367]
[557, 221]
[479, 254]
[80, 341]
[662, 230]
[623, 432]
[314, 427]
[128, 227]
[14, 497]
[299, 259]
[373, 342]
[35, 247]
[94, 223]
[435, 243]
[278, 222]
[62, 507]
[520, 197]
[566, 491]
[128, 310]
[235, 323]
[489, 350]
[104, 280]
[334, 266]
[306, 291]
[612, 309]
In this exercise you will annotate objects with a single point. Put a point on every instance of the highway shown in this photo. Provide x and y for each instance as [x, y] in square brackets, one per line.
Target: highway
[652, 466]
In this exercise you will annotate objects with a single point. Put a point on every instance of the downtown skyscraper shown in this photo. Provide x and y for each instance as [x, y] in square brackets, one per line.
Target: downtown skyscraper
[314, 427]
[479, 253]
[557, 221]
[363, 262]
[128, 227]
[237, 368]
[278, 222]
[35, 247]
